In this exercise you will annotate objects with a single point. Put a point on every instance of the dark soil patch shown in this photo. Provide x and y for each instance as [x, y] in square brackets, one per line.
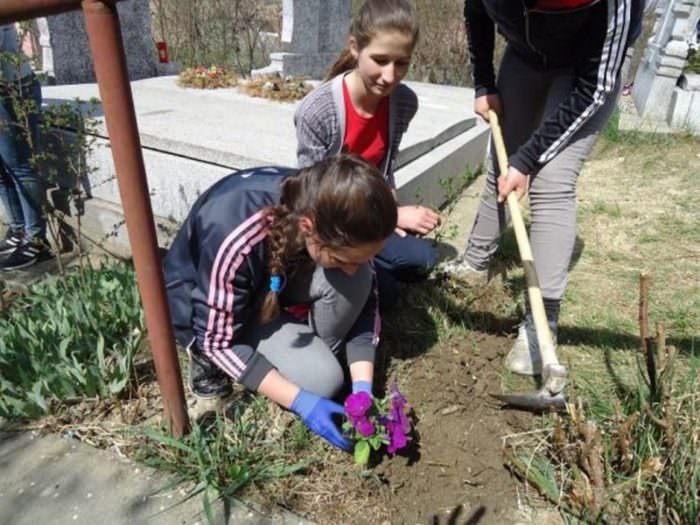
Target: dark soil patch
[455, 461]
[457, 458]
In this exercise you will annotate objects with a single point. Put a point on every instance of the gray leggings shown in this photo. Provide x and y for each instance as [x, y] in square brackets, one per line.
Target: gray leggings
[528, 94]
[310, 354]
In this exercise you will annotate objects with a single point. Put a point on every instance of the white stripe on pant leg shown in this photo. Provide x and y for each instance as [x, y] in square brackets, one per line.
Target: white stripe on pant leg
[613, 46]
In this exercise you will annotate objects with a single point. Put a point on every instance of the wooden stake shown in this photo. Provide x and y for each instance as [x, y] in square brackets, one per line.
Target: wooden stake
[645, 340]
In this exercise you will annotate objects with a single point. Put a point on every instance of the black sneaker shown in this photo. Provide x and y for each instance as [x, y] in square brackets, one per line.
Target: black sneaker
[207, 381]
[12, 241]
[26, 255]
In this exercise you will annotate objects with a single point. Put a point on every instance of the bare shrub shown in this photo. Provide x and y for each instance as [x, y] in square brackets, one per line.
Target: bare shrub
[233, 33]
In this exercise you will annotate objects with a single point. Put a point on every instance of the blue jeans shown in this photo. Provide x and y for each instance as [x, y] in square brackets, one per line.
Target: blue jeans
[21, 190]
[406, 259]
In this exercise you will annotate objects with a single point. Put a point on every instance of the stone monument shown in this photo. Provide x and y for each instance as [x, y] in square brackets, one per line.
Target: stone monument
[656, 82]
[315, 32]
[69, 51]
[45, 48]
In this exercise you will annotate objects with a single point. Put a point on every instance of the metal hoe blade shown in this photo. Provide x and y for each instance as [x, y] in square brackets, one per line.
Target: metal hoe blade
[539, 401]
[548, 397]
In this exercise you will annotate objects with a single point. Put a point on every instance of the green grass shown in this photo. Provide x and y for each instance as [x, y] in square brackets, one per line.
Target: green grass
[223, 455]
[68, 338]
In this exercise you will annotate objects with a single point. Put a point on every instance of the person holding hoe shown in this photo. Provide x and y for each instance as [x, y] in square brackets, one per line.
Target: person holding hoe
[556, 87]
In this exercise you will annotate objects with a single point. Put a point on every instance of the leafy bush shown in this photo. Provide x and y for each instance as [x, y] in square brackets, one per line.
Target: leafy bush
[69, 337]
[693, 64]
[212, 77]
[233, 33]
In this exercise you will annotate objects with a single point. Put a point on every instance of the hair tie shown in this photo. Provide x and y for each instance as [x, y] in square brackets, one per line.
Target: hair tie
[275, 283]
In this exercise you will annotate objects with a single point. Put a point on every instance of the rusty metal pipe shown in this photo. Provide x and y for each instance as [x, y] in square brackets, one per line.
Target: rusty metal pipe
[102, 24]
[16, 10]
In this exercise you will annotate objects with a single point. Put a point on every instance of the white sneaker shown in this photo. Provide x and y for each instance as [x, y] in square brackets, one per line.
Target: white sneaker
[459, 267]
[521, 360]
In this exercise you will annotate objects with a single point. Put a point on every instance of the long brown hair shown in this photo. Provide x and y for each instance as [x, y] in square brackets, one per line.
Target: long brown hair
[349, 202]
[376, 16]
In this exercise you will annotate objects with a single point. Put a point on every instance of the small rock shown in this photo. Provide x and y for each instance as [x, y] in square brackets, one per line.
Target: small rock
[450, 410]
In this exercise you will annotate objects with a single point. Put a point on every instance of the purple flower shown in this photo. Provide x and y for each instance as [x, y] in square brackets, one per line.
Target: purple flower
[397, 438]
[357, 405]
[397, 411]
[397, 423]
[365, 427]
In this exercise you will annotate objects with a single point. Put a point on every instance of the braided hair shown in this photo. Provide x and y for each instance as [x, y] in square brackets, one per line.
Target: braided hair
[350, 205]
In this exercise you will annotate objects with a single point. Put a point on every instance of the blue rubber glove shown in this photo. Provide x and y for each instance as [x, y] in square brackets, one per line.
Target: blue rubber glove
[317, 413]
[362, 386]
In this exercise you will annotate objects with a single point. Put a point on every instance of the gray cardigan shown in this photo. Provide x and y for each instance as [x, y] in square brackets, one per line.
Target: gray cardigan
[9, 71]
[320, 123]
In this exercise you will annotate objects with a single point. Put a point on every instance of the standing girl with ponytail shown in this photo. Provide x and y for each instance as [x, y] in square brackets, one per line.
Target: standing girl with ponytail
[363, 108]
[255, 248]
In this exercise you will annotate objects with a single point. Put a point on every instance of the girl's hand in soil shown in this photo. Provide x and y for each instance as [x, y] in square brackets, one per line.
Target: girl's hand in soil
[513, 180]
[417, 219]
[317, 413]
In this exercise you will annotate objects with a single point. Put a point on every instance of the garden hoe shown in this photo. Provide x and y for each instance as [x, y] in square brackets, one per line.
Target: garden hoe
[550, 395]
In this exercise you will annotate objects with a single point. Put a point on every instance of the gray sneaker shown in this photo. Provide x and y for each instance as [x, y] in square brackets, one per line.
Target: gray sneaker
[524, 358]
[460, 268]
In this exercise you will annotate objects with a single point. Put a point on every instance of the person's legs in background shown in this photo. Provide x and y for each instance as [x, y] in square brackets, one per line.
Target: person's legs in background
[406, 259]
[8, 188]
[21, 189]
[552, 196]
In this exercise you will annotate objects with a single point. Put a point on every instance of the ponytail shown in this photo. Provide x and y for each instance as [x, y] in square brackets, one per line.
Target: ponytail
[283, 240]
[345, 62]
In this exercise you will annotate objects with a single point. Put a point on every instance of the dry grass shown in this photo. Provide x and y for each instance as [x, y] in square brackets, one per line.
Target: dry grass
[624, 453]
[277, 87]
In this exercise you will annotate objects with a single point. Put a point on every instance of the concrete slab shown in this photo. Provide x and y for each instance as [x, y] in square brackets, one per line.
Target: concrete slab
[425, 180]
[61, 482]
[231, 129]
[191, 138]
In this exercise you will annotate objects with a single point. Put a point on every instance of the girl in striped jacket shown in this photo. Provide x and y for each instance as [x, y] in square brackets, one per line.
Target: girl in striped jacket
[258, 247]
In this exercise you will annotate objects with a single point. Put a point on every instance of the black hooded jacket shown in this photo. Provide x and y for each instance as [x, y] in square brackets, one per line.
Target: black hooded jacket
[592, 39]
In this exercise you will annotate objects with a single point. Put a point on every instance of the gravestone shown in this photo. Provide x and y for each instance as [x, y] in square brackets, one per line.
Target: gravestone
[45, 48]
[656, 82]
[315, 32]
[72, 60]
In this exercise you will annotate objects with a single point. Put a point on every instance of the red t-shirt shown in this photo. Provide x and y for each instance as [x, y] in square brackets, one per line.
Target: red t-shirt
[366, 137]
[558, 5]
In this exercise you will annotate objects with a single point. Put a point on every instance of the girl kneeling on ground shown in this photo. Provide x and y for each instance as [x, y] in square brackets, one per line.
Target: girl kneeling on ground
[258, 247]
[363, 108]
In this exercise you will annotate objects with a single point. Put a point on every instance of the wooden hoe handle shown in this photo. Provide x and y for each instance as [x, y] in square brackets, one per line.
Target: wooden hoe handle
[544, 336]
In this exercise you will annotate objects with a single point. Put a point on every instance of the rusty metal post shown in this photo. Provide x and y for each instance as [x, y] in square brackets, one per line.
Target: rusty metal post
[102, 24]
